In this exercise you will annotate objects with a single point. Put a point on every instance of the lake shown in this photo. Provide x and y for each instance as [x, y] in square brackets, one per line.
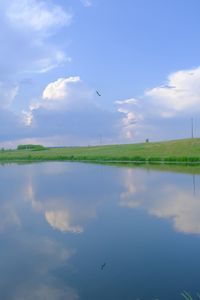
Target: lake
[73, 231]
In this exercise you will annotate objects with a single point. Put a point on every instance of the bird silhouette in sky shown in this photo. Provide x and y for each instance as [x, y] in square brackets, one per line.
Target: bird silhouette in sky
[98, 94]
[103, 266]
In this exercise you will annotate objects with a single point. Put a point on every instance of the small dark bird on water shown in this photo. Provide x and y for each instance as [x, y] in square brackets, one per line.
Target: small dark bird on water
[103, 266]
[98, 94]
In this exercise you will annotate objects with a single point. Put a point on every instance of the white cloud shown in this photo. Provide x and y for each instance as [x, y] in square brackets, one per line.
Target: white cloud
[132, 118]
[37, 15]
[179, 206]
[61, 95]
[58, 90]
[147, 116]
[132, 186]
[67, 103]
[60, 220]
[68, 114]
[132, 101]
[27, 117]
[168, 201]
[56, 95]
[180, 94]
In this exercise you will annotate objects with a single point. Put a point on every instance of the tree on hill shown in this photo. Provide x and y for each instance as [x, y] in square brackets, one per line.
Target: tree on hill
[30, 147]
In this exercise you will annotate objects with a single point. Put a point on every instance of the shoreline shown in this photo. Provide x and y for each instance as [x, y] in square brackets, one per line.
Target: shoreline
[179, 152]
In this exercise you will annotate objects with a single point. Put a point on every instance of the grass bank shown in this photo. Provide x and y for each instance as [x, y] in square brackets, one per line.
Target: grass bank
[176, 151]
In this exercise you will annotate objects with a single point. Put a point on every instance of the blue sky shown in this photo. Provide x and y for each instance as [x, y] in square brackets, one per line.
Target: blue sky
[142, 56]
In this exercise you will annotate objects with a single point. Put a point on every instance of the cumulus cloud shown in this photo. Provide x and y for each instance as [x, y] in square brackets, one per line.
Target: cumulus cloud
[57, 95]
[59, 89]
[27, 117]
[180, 94]
[26, 39]
[132, 118]
[68, 110]
[177, 99]
[66, 103]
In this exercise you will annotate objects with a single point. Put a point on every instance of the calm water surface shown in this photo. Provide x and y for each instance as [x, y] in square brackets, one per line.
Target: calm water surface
[73, 231]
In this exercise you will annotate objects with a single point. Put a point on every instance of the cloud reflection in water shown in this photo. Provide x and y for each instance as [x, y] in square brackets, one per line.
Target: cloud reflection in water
[169, 198]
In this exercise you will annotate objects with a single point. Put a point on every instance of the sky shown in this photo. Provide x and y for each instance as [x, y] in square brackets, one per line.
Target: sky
[143, 57]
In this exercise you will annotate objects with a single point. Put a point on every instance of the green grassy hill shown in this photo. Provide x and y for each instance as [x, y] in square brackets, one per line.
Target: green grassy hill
[186, 150]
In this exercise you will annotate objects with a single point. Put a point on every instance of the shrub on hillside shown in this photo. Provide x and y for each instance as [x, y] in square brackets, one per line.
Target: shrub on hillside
[31, 147]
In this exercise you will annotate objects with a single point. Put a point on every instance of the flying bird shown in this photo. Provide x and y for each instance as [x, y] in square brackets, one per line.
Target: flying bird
[103, 266]
[98, 94]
